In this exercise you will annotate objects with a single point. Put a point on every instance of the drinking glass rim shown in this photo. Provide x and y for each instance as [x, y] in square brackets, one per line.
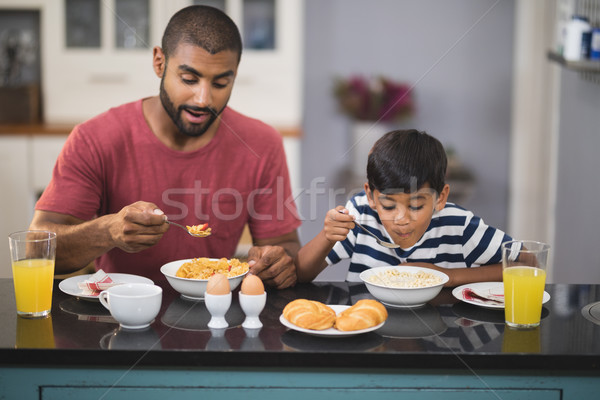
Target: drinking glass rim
[22, 235]
[543, 245]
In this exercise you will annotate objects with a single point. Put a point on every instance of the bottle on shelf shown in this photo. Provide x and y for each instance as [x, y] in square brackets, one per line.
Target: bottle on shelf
[577, 39]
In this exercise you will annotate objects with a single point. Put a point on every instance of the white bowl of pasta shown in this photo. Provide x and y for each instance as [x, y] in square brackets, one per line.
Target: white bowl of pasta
[190, 276]
[403, 285]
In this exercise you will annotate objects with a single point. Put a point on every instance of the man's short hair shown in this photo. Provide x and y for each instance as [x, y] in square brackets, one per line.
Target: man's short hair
[203, 26]
[406, 160]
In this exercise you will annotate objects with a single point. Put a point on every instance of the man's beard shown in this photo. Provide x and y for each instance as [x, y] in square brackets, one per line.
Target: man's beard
[191, 130]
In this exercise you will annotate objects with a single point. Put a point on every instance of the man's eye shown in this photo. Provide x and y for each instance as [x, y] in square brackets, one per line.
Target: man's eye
[188, 81]
[219, 85]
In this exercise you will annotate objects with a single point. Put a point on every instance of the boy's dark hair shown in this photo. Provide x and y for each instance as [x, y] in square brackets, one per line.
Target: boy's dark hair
[203, 26]
[404, 161]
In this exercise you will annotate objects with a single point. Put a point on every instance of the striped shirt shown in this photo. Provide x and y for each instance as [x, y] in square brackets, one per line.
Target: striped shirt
[455, 238]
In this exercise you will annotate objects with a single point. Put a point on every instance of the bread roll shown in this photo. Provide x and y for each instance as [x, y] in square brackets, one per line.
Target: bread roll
[362, 315]
[309, 314]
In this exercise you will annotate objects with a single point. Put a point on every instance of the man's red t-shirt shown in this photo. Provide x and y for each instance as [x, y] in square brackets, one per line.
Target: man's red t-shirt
[239, 177]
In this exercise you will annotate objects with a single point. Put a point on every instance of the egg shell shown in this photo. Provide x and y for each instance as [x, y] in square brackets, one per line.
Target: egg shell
[218, 285]
[252, 285]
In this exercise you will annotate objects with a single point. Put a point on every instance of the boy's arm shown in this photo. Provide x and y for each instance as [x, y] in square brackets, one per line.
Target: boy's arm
[310, 260]
[461, 276]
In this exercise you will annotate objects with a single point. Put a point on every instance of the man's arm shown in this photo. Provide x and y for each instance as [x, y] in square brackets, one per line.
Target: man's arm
[134, 228]
[272, 259]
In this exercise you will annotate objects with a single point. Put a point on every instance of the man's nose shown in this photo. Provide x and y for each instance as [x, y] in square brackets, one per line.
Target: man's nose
[203, 95]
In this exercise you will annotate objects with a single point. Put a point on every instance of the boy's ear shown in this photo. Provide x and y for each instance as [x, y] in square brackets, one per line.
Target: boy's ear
[442, 198]
[369, 196]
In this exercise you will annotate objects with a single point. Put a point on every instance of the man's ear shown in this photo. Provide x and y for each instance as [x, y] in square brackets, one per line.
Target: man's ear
[159, 61]
[442, 198]
[369, 196]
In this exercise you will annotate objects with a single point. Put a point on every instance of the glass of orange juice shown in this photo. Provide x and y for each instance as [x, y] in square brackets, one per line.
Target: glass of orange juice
[32, 254]
[524, 274]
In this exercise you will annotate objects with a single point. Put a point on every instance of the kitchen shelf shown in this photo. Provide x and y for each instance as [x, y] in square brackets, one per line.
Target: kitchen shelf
[588, 69]
[579, 66]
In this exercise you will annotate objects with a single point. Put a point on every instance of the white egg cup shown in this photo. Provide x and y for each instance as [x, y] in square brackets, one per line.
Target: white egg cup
[252, 306]
[217, 306]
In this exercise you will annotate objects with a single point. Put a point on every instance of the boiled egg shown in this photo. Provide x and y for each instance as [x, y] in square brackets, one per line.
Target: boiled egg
[218, 285]
[252, 285]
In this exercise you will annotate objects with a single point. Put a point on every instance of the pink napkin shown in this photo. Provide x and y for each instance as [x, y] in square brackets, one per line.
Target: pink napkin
[96, 283]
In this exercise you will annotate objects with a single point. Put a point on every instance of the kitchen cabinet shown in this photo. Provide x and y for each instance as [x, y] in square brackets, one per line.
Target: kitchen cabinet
[15, 200]
[80, 82]
[26, 163]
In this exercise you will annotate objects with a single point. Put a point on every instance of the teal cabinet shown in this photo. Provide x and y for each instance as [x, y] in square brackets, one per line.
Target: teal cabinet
[289, 384]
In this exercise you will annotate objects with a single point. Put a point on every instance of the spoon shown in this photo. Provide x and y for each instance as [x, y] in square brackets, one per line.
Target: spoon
[379, 241]
[204, 233]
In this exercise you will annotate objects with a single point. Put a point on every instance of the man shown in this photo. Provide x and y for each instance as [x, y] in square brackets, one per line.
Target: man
[183, 156]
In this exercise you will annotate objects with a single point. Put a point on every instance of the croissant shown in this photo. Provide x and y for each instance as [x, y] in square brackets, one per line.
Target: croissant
[309, 314]
[364, 314]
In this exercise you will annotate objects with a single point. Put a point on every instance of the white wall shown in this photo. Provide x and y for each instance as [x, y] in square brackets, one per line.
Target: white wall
[458, 54]
[576, 243]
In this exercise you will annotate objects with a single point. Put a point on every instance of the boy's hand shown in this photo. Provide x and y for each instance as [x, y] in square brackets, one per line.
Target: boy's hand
[338, 222]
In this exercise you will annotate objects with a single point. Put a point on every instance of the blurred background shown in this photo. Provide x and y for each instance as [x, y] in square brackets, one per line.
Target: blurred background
[520, 124]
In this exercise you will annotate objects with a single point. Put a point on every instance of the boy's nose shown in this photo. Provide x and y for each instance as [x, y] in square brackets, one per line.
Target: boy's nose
[402, 217]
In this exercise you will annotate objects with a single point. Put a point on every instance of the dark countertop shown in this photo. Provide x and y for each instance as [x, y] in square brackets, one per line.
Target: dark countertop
[444, 334]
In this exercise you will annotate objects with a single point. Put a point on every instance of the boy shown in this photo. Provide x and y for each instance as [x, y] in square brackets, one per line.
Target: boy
[404, 202]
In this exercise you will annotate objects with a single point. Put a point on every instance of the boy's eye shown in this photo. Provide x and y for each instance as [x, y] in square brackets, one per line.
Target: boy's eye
[415, 208]
[388, 208]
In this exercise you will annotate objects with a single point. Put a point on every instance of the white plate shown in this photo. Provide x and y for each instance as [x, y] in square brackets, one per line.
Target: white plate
[457, 292]
[331, 332]
[69, 285]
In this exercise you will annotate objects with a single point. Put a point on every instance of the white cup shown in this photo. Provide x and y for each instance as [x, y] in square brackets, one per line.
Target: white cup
[133, 305]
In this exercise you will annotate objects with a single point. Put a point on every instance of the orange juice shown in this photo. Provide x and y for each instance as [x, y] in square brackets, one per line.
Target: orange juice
[521, 340]
[523, 294]
[33, 280]
[35, 333]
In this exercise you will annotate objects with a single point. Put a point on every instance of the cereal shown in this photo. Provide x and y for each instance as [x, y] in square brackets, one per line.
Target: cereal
[204, 268]
[403, 279]
[199, 230]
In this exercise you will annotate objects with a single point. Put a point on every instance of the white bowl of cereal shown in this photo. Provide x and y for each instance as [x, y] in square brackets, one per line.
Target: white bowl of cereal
[190, 276]
[403, 285]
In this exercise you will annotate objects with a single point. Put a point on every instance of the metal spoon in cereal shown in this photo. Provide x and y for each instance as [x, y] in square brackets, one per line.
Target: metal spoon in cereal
[379, 241]
[194, 230]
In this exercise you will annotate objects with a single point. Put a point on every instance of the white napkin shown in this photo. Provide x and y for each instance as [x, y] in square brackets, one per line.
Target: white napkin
[493, 295]
[96, 283]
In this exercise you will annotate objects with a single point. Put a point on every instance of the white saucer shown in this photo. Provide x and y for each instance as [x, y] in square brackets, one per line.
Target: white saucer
[482, 286]
[331, 332]
[69, 285]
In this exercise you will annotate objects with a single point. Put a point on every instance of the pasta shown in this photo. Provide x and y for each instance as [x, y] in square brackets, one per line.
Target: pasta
[403, 279]
[204, 268]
